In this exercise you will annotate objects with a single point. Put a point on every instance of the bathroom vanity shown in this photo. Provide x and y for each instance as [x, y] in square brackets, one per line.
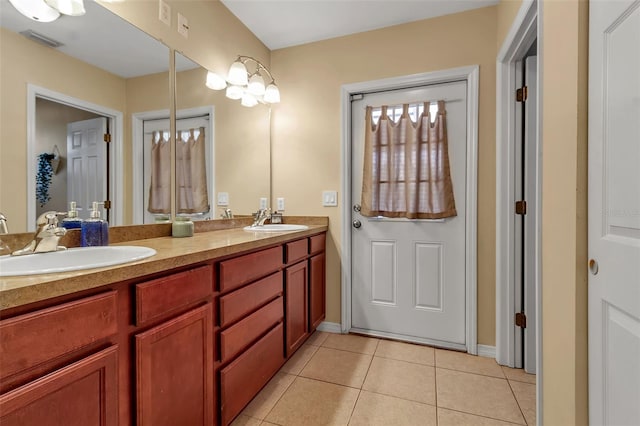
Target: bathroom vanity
[186, 337]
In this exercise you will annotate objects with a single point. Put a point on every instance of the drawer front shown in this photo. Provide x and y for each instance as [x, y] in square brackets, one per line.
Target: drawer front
[235, 305]
[317, 243]
[157, 297]
[244, 269]
[32, 339]
[234, 339]
[297, 250]
[241, 380]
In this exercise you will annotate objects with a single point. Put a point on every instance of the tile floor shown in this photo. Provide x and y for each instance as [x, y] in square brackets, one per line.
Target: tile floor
[337, 379]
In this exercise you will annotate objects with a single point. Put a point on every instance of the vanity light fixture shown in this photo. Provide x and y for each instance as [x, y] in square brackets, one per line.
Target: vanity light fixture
[48, 10]
[248, 87]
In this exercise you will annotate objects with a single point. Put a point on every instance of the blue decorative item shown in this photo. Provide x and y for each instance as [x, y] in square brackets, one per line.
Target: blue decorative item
[43, 178]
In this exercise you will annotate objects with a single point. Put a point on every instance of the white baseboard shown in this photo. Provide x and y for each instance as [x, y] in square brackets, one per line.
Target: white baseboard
[330, 327]
[487, 351]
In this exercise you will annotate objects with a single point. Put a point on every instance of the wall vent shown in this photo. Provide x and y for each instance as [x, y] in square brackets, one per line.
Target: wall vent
[39, 38]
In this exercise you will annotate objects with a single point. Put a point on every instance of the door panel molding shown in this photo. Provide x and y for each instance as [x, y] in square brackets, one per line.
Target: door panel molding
[469, 74]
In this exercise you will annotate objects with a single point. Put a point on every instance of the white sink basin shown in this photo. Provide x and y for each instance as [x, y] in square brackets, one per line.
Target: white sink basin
[73, 259]
[276, 228]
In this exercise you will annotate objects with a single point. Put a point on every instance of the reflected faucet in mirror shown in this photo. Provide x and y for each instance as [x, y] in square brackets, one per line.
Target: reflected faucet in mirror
[46, 237]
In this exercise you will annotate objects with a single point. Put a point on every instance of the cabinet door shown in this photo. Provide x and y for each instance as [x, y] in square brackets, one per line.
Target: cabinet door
[84, 393]
[174, 374]
[296, 280]
[316, 290]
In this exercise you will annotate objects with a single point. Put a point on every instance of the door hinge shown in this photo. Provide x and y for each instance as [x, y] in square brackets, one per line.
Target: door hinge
[107, 204]
[107, 137]
[521, 207]
[521, 320]
[521, 94]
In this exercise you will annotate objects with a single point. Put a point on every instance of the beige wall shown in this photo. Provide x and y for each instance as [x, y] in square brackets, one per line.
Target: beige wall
[307, 127]
[564, 212]
[507, 11]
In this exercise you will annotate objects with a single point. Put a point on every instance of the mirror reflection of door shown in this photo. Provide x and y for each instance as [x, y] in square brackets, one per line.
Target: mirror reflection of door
[53, 120]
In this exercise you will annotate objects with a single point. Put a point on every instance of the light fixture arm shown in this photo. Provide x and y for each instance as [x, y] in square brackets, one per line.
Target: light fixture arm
[259, 65]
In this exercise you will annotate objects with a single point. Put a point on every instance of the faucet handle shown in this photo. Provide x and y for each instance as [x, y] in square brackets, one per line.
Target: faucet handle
[49, 218]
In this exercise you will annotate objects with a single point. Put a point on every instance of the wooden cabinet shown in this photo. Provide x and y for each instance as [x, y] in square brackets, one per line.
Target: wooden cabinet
[84, 393]
[317, 298]
[296, 313]
[174, 371]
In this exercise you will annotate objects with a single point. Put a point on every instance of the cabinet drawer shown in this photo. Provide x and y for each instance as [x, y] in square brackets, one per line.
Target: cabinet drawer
[235, 305]
[297, 250]
[234, 339]
[244, 269]
[241, 380]
[31, 339]
[157, 297]
[317, 243]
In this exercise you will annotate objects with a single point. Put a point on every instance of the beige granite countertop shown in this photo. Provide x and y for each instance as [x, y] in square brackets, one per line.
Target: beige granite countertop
[171, 253]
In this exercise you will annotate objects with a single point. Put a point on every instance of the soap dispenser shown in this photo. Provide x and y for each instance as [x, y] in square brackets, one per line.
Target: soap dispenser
[72, 221]
[95, 230]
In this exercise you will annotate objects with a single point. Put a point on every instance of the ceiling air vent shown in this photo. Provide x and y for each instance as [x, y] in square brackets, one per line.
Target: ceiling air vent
[39, 38]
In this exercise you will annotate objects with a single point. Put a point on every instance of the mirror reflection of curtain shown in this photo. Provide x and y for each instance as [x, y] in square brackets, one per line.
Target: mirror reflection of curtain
[191, 172]
[406, 166]
[160, 188]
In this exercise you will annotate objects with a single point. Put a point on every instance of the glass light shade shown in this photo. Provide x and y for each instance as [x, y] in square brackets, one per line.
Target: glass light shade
[256, 85]
[249, 100]
[67, 7]
[215, 82]
[272, 94]
[237, 74]
[36, 10]
[234, 92]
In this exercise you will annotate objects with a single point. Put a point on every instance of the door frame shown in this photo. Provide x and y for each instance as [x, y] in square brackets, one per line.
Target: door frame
[470, 74]
[525, 29]
[115, 121]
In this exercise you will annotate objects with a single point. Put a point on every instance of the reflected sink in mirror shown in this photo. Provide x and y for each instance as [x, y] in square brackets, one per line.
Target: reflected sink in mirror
[276, 228]
[73, 259]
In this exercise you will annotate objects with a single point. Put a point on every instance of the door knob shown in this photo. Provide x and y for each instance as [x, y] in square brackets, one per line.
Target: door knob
[356, 207]
[357, 224]
[593, 266]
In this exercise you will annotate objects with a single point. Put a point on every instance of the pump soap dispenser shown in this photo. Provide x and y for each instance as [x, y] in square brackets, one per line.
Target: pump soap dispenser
[72, 221]
[94, 231]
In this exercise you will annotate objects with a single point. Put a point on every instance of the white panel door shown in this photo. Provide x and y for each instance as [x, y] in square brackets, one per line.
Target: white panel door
[408, 276]
[86, 163]
[614, 212]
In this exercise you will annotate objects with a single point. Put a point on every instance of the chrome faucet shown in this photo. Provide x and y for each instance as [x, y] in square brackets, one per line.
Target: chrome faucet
[3, 224]
[261, 216]
[47, 235]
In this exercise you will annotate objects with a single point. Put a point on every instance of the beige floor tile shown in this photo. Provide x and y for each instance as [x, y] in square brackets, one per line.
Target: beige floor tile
[351, 343]
[317, 338]
[406, 352]
[476, 394]
[339, 367]
[297, 362]
[526, 397]
[373, 409]
[310, 402]
[519, 375]
[268, 424]
[456, 418]
[470, 363]
[264, 401]
[243, 420]
[401, 379]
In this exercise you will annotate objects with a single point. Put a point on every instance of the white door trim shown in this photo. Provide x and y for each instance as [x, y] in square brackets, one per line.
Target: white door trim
[116, 176]
[471, 75]
[525, 29]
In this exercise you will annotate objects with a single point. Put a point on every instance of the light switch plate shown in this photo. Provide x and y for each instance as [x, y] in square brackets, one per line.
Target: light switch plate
[280, 203]
[223, 198]
[183, 25]
[263, 203]
[165, 12]
[330, 198]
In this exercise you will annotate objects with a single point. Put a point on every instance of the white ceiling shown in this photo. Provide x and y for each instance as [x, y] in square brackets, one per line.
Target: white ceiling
[285, 23]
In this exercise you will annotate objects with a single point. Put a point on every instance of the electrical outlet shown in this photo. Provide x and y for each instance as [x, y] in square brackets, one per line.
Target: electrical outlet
[183, 25]
[280, 203]
[165, 12]
[330, 198]
[223, 198]
[263, 203]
